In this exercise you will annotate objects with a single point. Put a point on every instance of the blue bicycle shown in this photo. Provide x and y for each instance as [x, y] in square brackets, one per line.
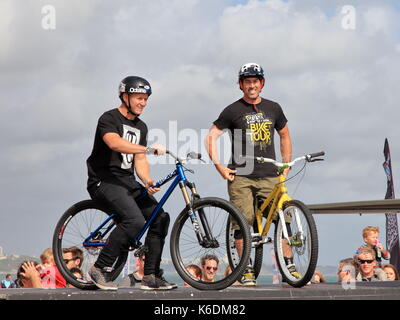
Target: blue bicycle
[200, 229]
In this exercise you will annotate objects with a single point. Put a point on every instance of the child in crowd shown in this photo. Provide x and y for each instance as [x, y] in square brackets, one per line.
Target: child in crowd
[49, 274]
[195, 272]
[391, 272]
[371, 239]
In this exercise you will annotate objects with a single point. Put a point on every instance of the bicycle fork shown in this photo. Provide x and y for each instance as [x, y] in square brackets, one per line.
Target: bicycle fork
[204, 235]
[298, 240]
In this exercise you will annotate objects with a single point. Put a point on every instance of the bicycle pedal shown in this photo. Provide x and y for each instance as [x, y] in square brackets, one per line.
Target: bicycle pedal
[256, 239]
[256, 236]
[260, 240]
[266, 240]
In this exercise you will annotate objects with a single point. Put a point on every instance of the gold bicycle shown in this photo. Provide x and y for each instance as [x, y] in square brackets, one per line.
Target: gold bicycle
[295, 235]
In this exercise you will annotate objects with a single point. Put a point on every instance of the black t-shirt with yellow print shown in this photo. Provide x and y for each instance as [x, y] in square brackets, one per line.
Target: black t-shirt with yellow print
[252, 133]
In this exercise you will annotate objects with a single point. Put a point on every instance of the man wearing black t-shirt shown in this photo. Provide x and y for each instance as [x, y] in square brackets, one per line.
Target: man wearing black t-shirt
[119, 151]
[251, 121]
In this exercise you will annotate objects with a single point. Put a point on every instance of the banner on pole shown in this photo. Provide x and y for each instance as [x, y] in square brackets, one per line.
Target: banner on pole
[392, 230]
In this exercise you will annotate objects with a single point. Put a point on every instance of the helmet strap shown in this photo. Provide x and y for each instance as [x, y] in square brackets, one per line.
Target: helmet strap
[128, 106]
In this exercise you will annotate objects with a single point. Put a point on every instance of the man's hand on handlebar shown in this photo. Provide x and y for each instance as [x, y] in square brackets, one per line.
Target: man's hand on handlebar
[156, 149]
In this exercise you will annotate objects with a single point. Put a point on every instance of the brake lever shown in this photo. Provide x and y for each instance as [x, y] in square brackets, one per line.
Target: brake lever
[313, 160]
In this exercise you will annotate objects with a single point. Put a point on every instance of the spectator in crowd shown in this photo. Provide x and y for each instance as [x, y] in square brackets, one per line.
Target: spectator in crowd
[51, 278]
[227, 272]
[73, 257]
[77, 273]
[371, 240]
[348, 270]
[391, 272]
[134, 278]
[195, 272]
[318, 277]
[28, 276]
[367, 264]
[209, 266]
[8, 282]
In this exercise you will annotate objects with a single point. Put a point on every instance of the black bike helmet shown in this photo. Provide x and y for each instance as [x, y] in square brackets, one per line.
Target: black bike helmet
[130, 85]
[251, 70]
[134, 84]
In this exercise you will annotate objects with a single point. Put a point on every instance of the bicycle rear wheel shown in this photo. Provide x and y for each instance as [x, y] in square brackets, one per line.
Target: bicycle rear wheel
[213, 214]
[303, 247]
[76, 224]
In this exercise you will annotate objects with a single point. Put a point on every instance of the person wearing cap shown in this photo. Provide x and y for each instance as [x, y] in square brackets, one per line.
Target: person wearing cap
[119, 151]
[251, 122]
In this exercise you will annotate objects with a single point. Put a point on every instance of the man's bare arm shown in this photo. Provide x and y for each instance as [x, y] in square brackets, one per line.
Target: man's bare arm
[211, 146]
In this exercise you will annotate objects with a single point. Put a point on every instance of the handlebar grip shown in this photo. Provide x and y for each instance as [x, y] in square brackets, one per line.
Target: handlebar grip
[194, 155]
[317, 154]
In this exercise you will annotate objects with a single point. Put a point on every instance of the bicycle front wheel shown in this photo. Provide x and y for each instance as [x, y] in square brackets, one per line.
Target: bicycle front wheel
[296, 260]
[213, 216]
[77, 224]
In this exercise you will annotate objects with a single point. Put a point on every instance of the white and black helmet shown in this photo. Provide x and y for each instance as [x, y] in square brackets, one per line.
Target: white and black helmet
[134, 84]
[251, 70]
[131, 85]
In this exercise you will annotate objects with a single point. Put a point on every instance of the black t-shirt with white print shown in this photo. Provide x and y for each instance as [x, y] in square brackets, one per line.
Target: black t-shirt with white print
[252, 133]
[104, 163]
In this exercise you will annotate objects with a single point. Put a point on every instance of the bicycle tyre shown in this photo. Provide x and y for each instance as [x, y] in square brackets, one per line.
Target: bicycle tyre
[305, 256]
[218, 211]
[256, 253]
[73, 227]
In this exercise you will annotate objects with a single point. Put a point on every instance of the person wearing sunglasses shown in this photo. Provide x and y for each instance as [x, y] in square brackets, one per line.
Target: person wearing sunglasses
[73, 257]
[368, 266]
[209, 267]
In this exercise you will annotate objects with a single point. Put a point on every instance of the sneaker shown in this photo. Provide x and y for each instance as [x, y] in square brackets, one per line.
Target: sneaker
[248, 278]
[161, 277]
[101, 279]
[151, 282]
[131, 280]
[293, 271]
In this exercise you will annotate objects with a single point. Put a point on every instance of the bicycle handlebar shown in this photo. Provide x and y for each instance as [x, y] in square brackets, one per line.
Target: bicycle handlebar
[190, 156]
[307, 157]
[317, 154]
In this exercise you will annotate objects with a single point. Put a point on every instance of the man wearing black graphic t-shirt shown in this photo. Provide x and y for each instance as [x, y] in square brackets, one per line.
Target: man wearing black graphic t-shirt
[119, 151]
[251, 122]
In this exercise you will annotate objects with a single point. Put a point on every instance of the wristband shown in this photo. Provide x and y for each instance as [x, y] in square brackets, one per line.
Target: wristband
[150, 150]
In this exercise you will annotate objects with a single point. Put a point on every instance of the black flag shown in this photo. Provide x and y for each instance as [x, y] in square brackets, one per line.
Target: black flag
[392, 230]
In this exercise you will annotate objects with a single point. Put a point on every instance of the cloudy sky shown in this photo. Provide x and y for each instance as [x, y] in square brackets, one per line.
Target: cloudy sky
[333, 68]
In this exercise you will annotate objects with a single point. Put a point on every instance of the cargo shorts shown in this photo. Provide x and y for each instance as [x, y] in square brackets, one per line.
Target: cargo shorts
[243, 191]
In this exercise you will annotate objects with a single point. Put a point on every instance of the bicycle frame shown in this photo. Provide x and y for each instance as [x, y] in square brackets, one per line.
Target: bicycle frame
[275, 200]
[180, 178]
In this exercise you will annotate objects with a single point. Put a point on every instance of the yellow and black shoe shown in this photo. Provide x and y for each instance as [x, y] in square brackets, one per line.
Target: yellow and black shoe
[248, 278]
[293, 271]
